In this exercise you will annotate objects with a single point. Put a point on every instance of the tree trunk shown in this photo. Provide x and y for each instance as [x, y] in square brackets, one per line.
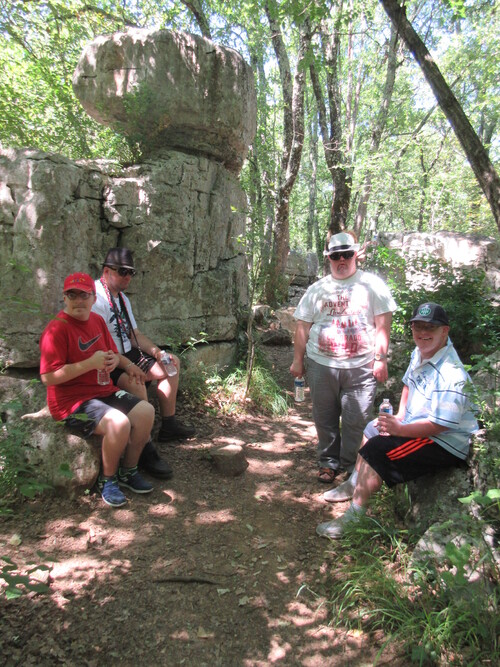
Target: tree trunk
[201, 19]
[312, 218]
[378, 129]
[476, 153]
[331, 126]
[293, 142]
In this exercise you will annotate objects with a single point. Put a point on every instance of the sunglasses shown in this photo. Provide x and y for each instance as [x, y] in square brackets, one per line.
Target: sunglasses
[346, 254]
[72, 295]
[123, 272]
[424, 326]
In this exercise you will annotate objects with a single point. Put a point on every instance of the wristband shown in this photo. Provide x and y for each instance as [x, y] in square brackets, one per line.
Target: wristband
[380, 357]
[128, 365]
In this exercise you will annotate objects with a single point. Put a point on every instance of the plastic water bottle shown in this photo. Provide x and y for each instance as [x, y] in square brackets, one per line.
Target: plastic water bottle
[299, 385]
[385, 408]
[168, 363]
[103, 376]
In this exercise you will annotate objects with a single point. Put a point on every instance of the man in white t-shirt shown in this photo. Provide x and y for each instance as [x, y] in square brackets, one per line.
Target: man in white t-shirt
[114, 306]
[343, 324]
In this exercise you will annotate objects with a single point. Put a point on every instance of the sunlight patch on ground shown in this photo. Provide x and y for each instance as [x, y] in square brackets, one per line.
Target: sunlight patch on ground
[221, 441]
[222, 516]
[163, 509]
[75, 574]
[279, 649]
[260, 467]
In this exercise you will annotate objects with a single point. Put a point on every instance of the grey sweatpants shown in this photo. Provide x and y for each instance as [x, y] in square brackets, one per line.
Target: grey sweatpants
[340, 396]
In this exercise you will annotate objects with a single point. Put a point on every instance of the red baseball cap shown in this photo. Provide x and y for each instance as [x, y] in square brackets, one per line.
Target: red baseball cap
[79, 281]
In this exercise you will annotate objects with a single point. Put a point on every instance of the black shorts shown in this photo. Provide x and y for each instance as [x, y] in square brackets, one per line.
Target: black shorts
[399, 460]
[141, 359]
[86, 417]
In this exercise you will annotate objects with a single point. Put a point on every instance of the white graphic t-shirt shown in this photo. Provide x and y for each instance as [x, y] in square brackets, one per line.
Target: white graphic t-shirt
[116, 325]
[343, 313]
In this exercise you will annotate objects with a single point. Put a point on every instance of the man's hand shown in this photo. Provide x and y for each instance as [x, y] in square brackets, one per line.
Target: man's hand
[156, 353]
[112, 361]
[101, 359]
[388, 424]
[380, 372]
[297, 368]
[135, 374]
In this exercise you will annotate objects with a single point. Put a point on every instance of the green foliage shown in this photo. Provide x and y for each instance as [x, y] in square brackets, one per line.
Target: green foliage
[463, 292]
[19, 584]
[225, 394]
[433, 612]
[17, 476]
[489, 503]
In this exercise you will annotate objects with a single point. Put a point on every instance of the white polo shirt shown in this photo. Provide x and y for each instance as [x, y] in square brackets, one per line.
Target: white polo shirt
[437, 391]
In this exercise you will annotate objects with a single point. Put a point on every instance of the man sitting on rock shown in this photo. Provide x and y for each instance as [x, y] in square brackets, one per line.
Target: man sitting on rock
[75, 349]
[430, 432]
[114, 306]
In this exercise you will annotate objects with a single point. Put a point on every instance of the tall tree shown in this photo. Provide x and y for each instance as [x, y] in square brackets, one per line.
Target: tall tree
[330, 116]
[293, 142]
[475, 151]
[378, 128]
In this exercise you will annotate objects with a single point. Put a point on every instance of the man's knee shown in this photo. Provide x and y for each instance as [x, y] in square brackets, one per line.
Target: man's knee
[142, 413]
[127, 384]
[114, 423]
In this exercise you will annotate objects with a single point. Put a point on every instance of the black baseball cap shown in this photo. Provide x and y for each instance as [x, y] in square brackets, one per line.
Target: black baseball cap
[430, 312]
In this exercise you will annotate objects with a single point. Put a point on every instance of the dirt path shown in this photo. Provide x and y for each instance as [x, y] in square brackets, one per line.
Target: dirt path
[206, 571]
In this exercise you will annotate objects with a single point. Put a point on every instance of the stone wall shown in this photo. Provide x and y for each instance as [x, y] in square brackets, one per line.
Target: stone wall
[181, 210]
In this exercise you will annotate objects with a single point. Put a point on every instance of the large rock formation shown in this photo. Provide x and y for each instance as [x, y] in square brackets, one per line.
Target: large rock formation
[182, 210]
[170, 89]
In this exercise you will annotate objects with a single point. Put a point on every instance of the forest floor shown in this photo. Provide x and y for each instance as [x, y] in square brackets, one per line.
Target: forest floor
[205, 571]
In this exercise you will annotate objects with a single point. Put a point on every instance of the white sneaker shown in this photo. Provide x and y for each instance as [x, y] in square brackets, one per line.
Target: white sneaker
[335, 529]
[342, 492]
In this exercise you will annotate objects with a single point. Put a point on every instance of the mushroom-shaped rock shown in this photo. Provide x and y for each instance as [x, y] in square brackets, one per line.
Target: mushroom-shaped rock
[166, 89]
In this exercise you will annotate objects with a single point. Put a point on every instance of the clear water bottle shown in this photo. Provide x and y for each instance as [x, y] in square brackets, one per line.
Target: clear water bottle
[168, 363]
[103, 376]
[299, 385]
[385, 408]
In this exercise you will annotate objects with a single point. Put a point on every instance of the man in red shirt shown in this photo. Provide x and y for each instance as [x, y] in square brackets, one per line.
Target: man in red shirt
[75, 347]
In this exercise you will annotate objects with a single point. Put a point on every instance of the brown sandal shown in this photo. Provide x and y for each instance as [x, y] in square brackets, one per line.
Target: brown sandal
[327, 475]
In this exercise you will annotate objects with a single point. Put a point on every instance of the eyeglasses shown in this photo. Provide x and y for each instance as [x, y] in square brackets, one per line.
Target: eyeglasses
[76, 294]
[122, 271]
[424, 326]
[346, 254]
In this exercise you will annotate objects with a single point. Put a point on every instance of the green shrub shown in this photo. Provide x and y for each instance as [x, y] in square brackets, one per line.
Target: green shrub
[17, 476]
[435, 613]
[463, 292]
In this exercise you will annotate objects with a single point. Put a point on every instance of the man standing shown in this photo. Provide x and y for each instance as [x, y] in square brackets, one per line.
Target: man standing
[114, 306]
[75, 346]
[343, 323]
[431, 430]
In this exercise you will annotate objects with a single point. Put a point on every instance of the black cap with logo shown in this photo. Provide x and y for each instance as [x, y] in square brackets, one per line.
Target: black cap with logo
[432, 313]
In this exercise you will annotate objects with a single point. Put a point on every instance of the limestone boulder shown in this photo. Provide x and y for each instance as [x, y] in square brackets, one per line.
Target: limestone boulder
[69, 463]
[66, 462]
[459, 250]
[434, 498]
[302, 268]
[170, 89]
[182, 216]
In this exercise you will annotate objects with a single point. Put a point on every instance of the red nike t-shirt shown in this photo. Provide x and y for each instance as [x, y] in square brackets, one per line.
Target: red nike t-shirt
[67, 340]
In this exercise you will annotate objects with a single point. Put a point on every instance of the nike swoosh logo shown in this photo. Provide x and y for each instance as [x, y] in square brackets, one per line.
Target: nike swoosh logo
[85, 346]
